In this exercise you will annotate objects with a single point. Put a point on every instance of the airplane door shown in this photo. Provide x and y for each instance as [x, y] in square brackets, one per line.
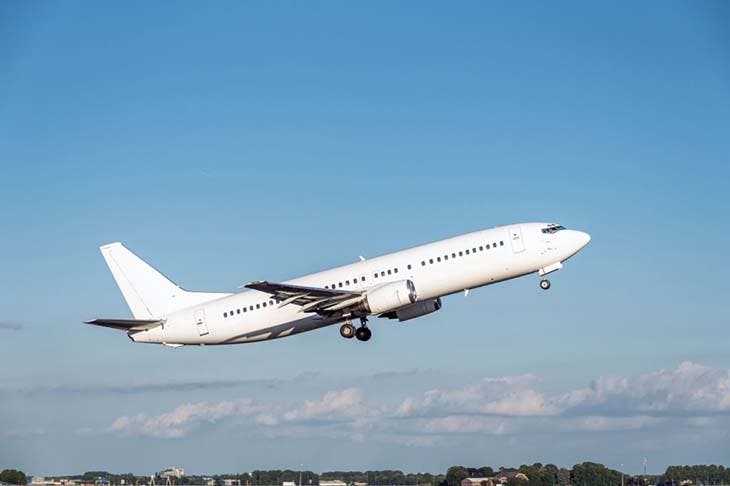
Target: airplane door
[200, 322]
[515, 236]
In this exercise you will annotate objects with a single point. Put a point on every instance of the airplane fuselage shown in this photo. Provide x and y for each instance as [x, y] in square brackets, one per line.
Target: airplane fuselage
[436, 270]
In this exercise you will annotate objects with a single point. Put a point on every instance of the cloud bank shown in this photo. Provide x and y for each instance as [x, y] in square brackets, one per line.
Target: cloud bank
[691, 395]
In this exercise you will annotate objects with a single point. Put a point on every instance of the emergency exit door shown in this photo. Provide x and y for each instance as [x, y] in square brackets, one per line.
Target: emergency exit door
[200, 322]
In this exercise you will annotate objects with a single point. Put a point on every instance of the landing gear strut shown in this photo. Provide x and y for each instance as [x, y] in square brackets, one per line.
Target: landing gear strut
[544, 284]
[363, 332]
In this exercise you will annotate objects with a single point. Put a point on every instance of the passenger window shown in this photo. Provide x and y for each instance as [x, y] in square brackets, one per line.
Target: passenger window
[339, 284]
[250, 308]
[354, 280]
[389, 272]
[501, 243]
[225, 314]
[494, 244]
[375, 275]
[258, 306]
[238, 311]
[245, 309]
[347, 282]
[423, 263]
[446, 257]
[487, 246]
[271, 302]
[363, 278]
[382, 274]
[481, 248]
[230, 313]
[430, 261]
[467, 251]
[264, 304]
[461, 253]
[438, 259]
[395, 270]
[409, 266]
[453, 255]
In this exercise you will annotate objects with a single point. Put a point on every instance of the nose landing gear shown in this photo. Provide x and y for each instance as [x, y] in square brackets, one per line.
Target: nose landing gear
[544, 284]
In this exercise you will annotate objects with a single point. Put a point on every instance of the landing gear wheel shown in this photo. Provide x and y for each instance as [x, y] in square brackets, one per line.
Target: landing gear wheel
[347, 331]
[363, 333]
[544, 284]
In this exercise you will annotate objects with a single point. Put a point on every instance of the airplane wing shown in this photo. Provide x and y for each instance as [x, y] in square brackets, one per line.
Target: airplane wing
[127, 324]
[311, 299]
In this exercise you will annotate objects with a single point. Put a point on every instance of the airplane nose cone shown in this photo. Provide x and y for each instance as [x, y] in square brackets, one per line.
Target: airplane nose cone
[575, 240]
[583, 238]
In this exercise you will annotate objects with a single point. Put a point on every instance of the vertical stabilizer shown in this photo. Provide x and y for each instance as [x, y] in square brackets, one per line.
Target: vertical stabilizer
[149, 294]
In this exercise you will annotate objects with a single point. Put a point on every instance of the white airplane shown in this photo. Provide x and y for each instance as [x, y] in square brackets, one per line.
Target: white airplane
[401, 285]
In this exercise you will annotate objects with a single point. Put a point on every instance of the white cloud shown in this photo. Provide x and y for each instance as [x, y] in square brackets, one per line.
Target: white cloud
[508, 395]
[599, 423]
[691, 395]
[334, 405]
[687, 389]
[178, 422]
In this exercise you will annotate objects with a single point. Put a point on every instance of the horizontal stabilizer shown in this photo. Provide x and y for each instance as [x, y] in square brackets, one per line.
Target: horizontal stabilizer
[127, 324]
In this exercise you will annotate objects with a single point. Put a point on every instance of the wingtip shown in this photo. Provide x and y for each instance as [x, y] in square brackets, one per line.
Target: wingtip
[110, 245]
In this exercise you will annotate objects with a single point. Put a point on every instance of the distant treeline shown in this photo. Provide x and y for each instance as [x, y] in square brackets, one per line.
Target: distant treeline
[584, 474]
[594, 474]
[278, 476]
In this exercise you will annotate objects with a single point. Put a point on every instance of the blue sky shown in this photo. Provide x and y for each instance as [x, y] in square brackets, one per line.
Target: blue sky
[238, 141]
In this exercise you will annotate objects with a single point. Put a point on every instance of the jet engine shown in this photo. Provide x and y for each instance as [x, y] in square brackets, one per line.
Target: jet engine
[390, 296]
[414, 310]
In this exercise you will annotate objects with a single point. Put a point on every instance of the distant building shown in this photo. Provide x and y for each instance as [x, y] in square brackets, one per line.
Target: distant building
[172, 472]
[231, 482]
[288, 483]
[41, 481]
[333, 482]
[478, 482]
[503, 477]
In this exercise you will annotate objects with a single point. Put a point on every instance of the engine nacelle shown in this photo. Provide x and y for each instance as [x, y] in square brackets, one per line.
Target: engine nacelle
[415, 310]
[390, 296]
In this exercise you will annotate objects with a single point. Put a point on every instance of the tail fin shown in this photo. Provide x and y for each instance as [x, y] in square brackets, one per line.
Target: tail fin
[149, 294]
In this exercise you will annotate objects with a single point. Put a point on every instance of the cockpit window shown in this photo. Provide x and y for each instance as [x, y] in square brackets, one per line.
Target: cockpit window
[553, 228]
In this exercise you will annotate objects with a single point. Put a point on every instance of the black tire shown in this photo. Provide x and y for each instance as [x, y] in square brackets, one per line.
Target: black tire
[545, 284]
[363, 333]
[347, 331]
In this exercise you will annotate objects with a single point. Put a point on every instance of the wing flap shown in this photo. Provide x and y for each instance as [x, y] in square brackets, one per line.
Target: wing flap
[311, 299]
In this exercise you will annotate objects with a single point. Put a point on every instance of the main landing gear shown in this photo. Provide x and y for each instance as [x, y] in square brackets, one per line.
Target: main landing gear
[347, 330]
[362, 333]
[544, 284]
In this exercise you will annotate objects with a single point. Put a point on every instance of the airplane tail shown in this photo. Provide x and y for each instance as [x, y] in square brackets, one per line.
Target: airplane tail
[149, 294]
